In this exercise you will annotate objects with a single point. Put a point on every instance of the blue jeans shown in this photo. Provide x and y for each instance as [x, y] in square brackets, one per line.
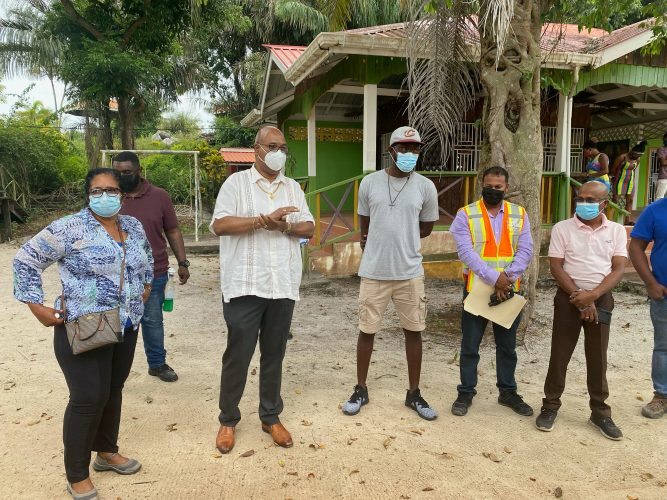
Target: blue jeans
[659, 365]
[152, 326]
[472, 332]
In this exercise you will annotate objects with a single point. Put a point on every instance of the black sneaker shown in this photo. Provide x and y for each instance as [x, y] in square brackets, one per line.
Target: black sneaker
[512, 400]
[545, 420]
[607, 427]
[164, 372]
[462, 403]
[358, 399]
[415, 401]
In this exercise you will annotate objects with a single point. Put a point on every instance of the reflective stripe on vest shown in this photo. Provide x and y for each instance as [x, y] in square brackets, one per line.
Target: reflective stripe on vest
[494, 254]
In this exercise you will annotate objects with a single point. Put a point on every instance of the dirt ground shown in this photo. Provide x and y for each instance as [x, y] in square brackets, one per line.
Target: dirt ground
[386, 451]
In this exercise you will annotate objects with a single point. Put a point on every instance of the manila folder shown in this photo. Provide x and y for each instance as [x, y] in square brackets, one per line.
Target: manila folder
[504, 314]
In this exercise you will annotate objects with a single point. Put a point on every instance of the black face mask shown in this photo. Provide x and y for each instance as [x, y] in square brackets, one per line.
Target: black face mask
[128, 183]
[492, 196]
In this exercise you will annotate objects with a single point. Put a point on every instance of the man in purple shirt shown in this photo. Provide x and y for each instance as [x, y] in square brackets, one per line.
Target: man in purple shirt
[494, 243]
[154, 209]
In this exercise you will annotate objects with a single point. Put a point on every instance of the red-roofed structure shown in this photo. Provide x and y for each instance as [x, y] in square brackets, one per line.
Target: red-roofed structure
[284, 55]
[237, 159]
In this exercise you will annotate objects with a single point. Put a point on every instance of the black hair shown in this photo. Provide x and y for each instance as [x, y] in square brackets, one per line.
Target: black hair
[499, 171]
[127, 156]
[590, 145]
[665, 136]
[99, 171]
[640, 148]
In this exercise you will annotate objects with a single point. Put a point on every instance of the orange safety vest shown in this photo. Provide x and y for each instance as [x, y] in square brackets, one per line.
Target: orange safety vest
[496, 255]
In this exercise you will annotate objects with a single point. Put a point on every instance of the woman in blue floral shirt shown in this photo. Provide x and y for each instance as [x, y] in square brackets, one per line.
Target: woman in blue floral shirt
[88, 247]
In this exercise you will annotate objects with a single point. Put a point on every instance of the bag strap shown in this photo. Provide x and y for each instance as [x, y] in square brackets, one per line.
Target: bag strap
[122, 273]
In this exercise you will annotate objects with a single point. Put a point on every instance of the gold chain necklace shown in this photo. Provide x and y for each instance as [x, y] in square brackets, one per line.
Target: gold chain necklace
[270, 194]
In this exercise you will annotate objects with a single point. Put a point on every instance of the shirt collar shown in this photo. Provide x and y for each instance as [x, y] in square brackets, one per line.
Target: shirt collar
[581, 225]
[256, 176]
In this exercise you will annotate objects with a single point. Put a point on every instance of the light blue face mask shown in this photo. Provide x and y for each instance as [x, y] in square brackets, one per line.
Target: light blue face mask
[406, 162]
[105, 205]
[588, 211]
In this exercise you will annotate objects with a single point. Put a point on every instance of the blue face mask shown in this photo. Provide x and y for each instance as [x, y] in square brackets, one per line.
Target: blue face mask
[588, 211]
[105, 205]
[406, 162]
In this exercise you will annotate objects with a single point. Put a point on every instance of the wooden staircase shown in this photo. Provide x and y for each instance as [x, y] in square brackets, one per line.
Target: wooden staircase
[14, 202]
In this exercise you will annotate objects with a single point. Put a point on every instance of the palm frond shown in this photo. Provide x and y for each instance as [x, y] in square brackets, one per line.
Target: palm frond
[496, 17]
[440, 74]
[300, 17]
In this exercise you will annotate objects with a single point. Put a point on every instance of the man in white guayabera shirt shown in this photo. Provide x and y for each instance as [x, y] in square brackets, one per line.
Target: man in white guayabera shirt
[397, 207]
[260, 215]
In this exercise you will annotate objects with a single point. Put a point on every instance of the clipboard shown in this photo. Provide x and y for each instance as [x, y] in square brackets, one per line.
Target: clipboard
[504, 314]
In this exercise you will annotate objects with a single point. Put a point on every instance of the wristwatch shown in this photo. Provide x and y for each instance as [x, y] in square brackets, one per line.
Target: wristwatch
[184, 263]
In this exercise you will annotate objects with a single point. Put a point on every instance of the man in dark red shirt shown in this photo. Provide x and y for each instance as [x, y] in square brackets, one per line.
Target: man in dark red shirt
[154, 209]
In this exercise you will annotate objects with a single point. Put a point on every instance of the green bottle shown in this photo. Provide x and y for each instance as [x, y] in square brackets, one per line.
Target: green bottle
[168, 304]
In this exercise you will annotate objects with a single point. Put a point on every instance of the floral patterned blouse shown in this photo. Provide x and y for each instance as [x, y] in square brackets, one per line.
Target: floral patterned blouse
[89, 262]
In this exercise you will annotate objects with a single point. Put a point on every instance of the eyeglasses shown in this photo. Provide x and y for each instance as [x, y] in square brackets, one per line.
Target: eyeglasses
[273, 147]
[97, 192]
[580, 199]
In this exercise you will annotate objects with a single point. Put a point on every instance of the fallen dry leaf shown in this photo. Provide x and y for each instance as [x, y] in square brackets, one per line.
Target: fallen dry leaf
[317, 446]
[428, 488]
[351, 440]
[662, 483]
[417, 431]
[492, 456]
[297, 391]
[627, 325]
[358, 424]
[34, 421]
[254, 371]
[293, 473]
[446, 455]
[632, 497]
[311, 475]
[507, 449]
[306, 423]
[532, 479]
[148, 399]
[355, 471]
[248, 453]
[387, 443]
[640, 398]
[216, 455]
[404, 497]
[646, 476]
[558, 492]
[171, 427]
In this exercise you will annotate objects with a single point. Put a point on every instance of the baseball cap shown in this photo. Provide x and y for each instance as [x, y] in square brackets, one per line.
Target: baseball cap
[405, 134]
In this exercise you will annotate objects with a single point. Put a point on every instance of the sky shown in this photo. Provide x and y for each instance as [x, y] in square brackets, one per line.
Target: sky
[191, 104]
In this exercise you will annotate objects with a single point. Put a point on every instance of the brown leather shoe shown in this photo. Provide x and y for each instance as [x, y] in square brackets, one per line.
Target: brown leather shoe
[224, 442]
[279, 434]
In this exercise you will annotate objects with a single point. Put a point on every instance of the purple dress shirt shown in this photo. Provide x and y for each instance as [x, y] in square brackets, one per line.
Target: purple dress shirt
[522, 257]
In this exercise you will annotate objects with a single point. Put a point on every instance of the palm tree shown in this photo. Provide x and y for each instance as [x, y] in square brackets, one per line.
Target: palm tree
[27, 48]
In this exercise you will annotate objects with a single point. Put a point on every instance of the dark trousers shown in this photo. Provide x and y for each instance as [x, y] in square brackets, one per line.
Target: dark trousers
[566, 329]
[249, 318]
[95, 380]
[472, 328]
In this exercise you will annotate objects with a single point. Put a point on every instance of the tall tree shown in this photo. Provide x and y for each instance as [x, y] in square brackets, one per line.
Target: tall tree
[508, 66]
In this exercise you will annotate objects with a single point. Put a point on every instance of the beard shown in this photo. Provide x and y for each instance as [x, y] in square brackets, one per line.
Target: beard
[128, 183]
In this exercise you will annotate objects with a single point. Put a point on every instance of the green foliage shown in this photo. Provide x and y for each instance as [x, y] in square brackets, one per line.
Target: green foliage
[180, 123]
[170, 172]
[228, 133]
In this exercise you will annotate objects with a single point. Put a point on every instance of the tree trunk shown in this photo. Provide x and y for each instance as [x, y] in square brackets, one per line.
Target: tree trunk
[511, 120]
[126, 119]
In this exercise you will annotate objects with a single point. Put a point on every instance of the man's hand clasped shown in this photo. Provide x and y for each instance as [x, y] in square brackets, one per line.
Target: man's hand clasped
[503, 286]
[584, 300]
[275, 221]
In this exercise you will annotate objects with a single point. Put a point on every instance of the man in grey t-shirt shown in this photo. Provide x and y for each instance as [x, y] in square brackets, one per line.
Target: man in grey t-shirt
[397, 207]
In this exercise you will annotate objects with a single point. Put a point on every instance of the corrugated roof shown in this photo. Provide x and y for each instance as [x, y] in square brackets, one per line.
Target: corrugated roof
[555, 37]
[285, 55]
[238, 155]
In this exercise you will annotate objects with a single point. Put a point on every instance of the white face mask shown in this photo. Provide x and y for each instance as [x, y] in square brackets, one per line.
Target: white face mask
[275, 160]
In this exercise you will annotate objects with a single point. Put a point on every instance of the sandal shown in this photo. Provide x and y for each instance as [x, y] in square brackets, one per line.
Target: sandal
[132, 466]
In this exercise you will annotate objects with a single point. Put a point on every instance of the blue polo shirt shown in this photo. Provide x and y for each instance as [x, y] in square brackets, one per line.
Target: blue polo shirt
[652, 226]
